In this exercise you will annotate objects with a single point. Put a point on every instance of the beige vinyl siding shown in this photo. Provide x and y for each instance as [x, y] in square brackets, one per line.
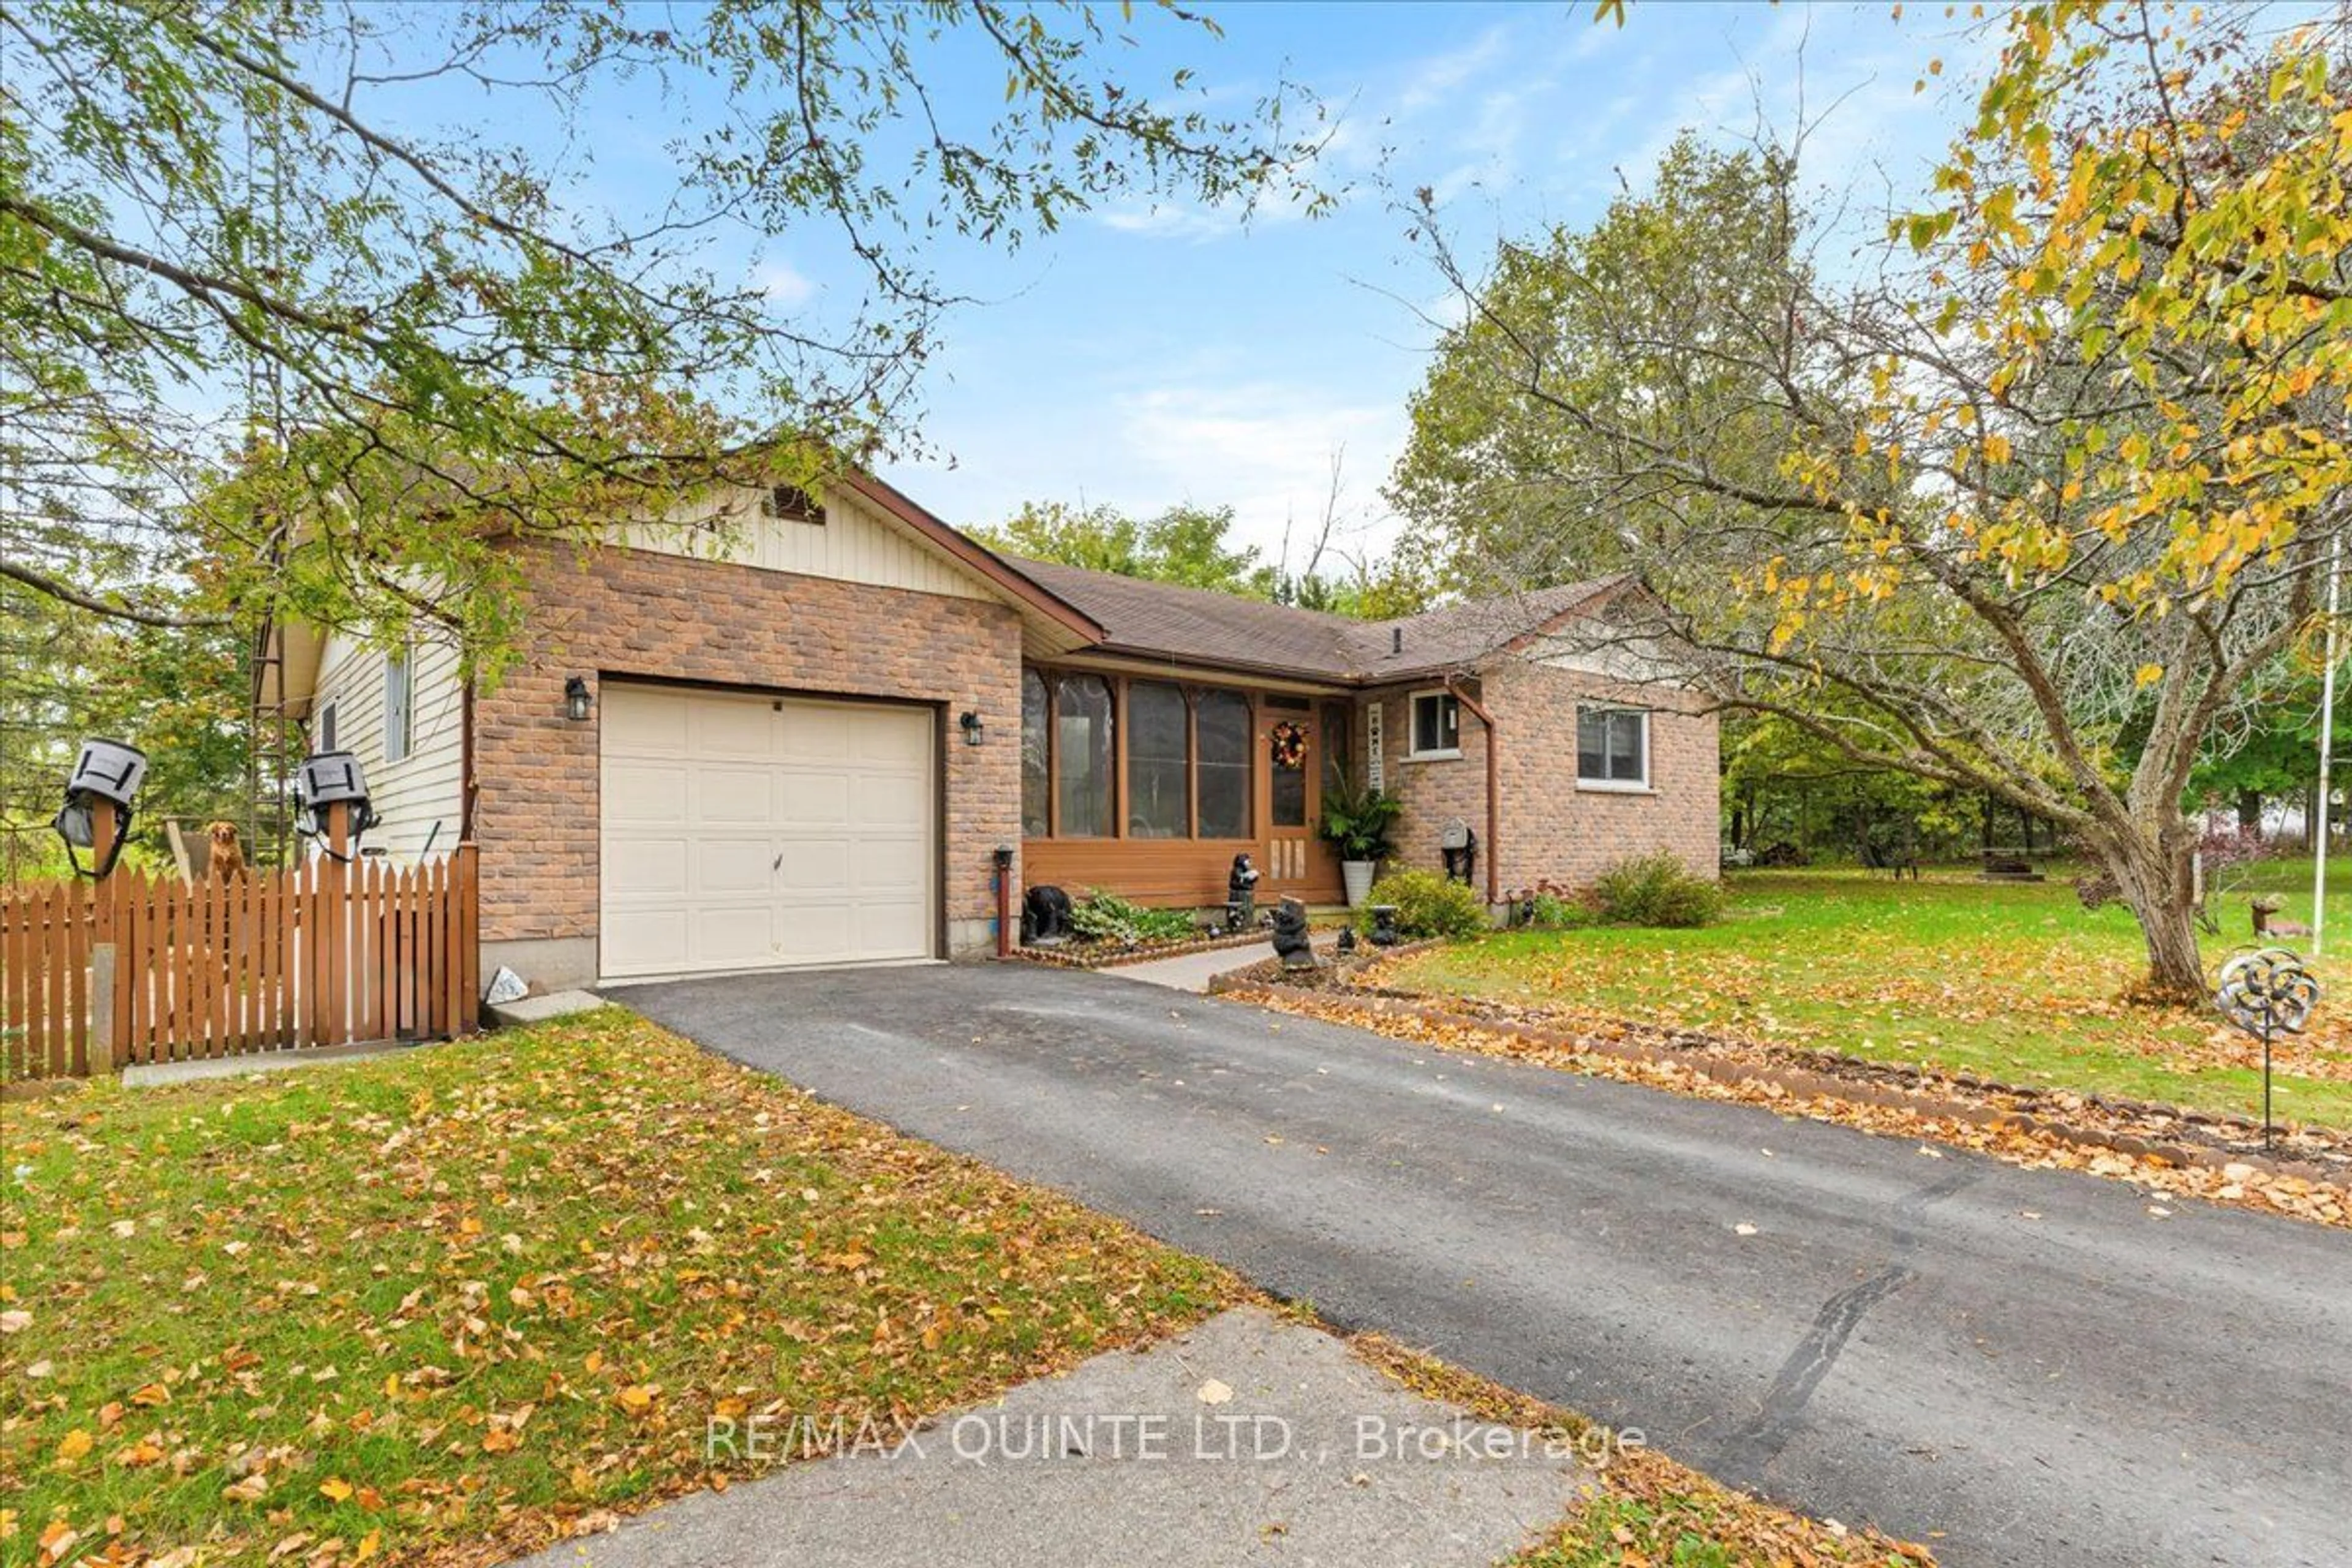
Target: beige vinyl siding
[427, 785]
[855, 543]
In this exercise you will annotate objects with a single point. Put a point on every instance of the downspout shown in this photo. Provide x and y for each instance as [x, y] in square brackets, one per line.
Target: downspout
[465, 785]
[1494, 789]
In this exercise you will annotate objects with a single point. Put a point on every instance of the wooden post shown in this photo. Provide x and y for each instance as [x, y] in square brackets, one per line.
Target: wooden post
[105, 828]
[101, 1005]
[334, 872]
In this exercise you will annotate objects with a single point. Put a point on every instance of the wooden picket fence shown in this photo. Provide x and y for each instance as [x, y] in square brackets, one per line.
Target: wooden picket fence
[139, 968]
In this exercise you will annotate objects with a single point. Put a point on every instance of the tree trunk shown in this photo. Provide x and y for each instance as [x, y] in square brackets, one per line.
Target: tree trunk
[2154, 881]
[2250, 810]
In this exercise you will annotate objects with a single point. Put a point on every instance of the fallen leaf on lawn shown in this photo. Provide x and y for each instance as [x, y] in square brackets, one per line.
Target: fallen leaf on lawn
[335, 1489]
[249, 1489]
[15, 1320]
[76, 1444]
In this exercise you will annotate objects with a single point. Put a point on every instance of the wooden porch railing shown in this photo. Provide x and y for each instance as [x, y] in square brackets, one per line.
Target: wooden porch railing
[139, 968]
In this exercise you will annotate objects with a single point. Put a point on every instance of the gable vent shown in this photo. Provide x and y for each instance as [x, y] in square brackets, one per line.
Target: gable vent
[791, 504]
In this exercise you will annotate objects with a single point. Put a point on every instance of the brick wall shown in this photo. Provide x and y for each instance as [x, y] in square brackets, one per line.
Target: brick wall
[1550, 829]
[624, 612]
[1435, 791]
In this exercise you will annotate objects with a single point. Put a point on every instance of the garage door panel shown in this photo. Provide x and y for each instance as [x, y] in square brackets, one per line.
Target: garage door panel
[648, 868]
[890, 800]
[811, 733]
[656, 939]
[812, 867]
[733, 937]
[897, 929]
[892, 866]
[812, 800]
[887, 738]
[727, 726]
[750, 831]
[734, 794]
[740, 870]
[637, 721]
[639, 792]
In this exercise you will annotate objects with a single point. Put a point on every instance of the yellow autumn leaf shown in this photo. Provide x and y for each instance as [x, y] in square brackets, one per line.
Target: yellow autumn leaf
[335, 1489]
[2148, 675]
[76, 1444]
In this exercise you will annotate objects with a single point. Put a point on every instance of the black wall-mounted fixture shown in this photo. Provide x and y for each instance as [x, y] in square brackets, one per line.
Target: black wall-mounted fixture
[575, 698]
[972, 728]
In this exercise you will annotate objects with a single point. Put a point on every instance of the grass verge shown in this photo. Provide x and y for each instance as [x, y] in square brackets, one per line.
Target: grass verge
[1647, 1512]
[459, 1303]
[2011, 982]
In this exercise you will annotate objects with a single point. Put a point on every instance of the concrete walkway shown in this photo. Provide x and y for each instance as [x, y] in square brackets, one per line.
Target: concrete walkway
[1193, 971]
[1249, 1440]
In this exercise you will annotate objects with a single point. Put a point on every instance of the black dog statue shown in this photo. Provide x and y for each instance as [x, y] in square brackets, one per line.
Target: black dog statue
[1290, 938]
[1241, 894]
[1044, 917]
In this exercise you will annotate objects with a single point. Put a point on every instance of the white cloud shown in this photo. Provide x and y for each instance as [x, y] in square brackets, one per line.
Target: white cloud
[784, 285]
[1264, 448]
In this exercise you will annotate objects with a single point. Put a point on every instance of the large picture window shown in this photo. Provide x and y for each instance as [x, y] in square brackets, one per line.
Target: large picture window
[1223, 722]
[1158, 754]
[1082, 757]
[1612, 748]
[1036, 757]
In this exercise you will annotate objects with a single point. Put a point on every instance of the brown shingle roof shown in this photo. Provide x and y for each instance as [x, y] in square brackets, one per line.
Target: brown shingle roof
[1199, 626]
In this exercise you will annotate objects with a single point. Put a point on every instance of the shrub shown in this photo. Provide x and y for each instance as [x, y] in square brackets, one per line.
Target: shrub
[1655, 890]
[1426, 905]
[1106, 917]
[1550, 911]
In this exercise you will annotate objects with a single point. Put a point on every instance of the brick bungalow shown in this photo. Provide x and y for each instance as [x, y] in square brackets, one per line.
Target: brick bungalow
[808, 736]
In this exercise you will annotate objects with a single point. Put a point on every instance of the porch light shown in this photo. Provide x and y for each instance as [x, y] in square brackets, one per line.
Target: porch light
[972, 728]
[575, 698]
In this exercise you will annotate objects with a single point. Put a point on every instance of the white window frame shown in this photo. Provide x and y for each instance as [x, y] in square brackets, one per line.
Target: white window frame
[1413, 753]
[1613, 786]
[400, 662]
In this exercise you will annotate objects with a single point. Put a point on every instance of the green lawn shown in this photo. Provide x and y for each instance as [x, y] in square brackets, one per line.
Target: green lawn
[2010, 982]
[468, 1294]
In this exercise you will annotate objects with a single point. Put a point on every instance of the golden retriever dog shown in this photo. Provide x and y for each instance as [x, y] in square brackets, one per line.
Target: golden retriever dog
[227, 861]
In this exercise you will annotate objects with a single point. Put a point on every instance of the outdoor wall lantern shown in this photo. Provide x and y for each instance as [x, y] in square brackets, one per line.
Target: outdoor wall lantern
[329, 779]
[575, 698]
[106, 771]
[972, 728]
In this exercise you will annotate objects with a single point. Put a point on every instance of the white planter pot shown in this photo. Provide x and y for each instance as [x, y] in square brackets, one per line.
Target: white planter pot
[1356, 875]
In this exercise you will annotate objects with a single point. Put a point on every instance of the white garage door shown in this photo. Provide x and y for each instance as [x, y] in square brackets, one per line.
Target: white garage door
[754, 832]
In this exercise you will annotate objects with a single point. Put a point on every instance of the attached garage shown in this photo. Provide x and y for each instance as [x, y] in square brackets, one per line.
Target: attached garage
[748, 831]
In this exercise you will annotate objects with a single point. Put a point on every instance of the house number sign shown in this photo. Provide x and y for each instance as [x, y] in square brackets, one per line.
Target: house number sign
[1373, 770]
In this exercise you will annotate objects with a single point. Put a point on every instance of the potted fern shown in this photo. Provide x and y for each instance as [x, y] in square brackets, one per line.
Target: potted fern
[1356, 822]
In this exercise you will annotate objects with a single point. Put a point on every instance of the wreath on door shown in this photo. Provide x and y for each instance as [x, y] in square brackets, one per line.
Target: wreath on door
[1287, 741]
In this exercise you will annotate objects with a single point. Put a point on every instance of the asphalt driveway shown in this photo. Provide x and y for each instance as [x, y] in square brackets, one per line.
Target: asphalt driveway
[2018, 1367]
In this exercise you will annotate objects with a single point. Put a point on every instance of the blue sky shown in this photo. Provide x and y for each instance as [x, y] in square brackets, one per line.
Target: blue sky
[1145, 356]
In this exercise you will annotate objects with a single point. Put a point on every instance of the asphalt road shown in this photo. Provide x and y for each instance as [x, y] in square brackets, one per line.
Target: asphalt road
[2021, 1368]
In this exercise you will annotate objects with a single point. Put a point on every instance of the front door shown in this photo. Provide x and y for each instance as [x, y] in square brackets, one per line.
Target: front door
[1293, 754]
